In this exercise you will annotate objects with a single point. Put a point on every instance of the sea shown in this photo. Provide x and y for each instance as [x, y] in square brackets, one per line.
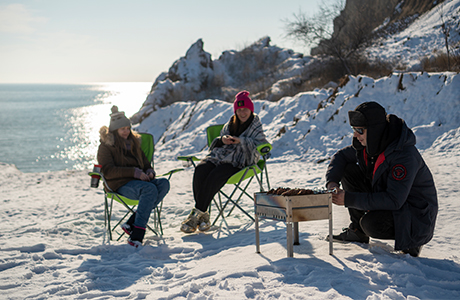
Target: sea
[51, 127]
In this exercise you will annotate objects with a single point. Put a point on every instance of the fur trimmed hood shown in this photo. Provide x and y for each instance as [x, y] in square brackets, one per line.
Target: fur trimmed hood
[108, 138]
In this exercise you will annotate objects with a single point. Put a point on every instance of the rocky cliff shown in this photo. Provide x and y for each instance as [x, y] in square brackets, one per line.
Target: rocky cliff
[360, 17]
[271, 73]
[266, 71]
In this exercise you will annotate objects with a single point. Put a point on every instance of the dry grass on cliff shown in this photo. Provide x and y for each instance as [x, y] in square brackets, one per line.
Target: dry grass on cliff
[441, 62]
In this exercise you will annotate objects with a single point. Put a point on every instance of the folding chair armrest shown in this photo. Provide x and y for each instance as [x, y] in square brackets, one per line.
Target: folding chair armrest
[170, 173]
[188, 158]
[188, 161]
[102, 177]
[264, 149]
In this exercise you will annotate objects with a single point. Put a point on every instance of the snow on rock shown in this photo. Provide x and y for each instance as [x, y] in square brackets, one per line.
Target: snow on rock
[423, 38]
[197, 77]
[270, 72]
[187, 77]
[313, 125]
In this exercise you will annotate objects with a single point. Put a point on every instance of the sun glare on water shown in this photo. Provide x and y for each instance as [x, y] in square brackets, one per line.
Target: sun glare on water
[84, 122]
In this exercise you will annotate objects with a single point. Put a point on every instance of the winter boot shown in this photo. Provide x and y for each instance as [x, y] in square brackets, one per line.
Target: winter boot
[351, 235]
[203, 221]
[128, 226]
[415, 252]
[191, 223]
[137, 236]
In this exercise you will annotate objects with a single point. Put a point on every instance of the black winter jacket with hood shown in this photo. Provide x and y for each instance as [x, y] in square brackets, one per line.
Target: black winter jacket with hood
[400, 179]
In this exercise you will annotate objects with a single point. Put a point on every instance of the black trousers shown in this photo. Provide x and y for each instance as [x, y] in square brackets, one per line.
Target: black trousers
[378, 224]
[208, 179]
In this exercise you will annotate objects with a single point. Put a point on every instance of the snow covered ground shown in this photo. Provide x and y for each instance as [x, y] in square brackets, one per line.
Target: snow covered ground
[53, 246]
[53, 242]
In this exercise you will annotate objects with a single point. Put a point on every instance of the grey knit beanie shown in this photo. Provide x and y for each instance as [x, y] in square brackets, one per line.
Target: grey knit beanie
[118, 119]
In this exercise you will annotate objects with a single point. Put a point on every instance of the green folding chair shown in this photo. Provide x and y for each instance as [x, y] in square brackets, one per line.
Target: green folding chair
[148, 147]
[237, 180]
[212, 132]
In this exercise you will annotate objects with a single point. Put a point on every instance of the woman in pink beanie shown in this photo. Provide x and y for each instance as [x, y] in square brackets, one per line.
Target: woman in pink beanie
[234, 149]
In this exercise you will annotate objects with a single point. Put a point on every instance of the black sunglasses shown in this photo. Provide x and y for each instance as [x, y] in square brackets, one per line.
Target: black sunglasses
[359, 131]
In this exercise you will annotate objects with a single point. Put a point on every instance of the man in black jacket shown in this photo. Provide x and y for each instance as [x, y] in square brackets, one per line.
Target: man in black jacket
[387, 187]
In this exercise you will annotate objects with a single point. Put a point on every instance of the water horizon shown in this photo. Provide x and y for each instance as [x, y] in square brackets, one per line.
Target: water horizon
[55, 126]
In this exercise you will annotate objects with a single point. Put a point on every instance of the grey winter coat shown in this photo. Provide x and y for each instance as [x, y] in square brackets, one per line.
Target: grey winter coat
[401, 183]
[239, 155]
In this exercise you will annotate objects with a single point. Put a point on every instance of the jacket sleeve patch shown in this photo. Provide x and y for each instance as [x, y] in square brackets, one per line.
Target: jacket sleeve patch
[399, 172]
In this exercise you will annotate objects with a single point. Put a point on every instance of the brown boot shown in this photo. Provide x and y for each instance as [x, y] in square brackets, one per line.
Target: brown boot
[191, 223]
[203, 221]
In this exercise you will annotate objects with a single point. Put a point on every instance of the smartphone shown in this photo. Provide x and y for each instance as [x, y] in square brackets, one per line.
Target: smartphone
[229, 137]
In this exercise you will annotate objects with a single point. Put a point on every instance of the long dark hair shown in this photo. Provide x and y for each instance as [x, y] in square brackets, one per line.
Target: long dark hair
[236, 127]
[135, 150]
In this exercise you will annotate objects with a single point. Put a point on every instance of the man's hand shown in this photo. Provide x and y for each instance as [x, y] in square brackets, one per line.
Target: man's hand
[331, 185]
[338, 198]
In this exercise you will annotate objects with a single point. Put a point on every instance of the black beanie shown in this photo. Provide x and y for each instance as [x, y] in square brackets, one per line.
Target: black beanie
[372, 116]
[367, 114]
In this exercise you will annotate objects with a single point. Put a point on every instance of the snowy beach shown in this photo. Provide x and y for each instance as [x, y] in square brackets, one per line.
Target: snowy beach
[54, 244]
[54, 247]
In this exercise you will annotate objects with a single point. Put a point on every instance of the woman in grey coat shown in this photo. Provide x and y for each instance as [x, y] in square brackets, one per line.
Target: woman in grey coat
[233, 150]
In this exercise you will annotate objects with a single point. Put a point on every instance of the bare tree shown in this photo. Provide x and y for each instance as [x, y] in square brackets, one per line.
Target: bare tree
[329, 33]
[445, 29]
[312, 30]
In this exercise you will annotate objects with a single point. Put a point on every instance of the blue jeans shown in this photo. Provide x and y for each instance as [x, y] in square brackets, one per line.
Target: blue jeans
[149, 193]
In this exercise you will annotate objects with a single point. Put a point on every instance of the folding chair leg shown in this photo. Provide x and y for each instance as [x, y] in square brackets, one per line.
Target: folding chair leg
[222, 208]
[238, 200]
[229, 199]
[219, 208]
[240, 208]
[131, 209]
[119, 222]
[107, 216]
[150, 228]
[157, 219]
[266, 176]
[242, 191]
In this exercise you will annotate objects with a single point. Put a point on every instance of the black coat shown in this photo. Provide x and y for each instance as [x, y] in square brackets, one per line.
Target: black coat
[401, 183]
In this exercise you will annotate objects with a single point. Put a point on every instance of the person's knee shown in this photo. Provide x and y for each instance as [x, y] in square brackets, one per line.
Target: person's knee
[148, 189]
[378, 224]
[163, 185]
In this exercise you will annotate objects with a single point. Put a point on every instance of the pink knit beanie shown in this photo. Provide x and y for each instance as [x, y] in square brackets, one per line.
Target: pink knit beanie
[242, 100]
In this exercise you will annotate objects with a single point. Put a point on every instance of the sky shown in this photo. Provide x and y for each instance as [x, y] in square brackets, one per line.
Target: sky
[53, 41]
